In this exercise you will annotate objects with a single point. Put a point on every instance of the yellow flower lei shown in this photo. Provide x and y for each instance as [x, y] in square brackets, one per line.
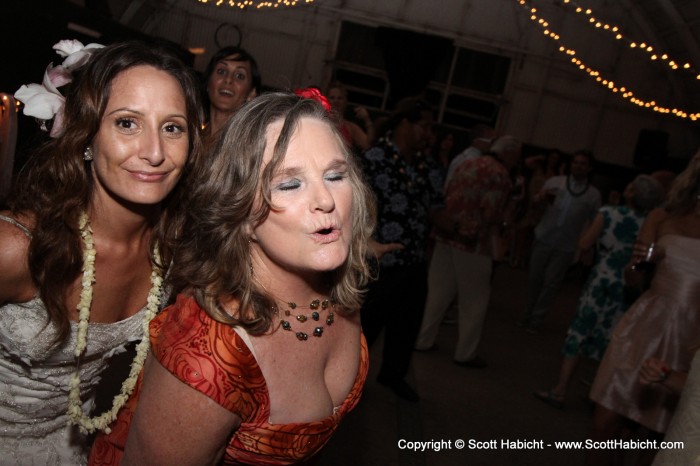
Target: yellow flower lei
[76, 415]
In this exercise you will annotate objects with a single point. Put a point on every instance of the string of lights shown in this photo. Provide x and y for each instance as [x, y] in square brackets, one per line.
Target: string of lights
[623, 91]
[652, 53]
[244, 4]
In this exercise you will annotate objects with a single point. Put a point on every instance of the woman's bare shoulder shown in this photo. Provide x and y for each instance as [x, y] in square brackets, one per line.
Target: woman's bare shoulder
[15, 281]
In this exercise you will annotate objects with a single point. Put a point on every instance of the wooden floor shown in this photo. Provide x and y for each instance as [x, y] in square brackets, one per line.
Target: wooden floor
[488, 405]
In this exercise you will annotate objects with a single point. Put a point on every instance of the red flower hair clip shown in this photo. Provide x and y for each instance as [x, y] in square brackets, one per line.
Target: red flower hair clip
[314, 94]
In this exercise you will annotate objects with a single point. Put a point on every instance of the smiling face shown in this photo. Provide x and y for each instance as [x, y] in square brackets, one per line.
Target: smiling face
[230, 84]
[142, 144]
[309, 228]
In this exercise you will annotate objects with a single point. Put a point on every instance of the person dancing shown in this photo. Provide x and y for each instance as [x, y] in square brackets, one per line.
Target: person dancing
[603, 300]
[664, 323]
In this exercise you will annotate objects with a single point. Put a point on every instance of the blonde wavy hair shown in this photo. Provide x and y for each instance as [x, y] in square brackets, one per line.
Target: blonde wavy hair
[213, 258]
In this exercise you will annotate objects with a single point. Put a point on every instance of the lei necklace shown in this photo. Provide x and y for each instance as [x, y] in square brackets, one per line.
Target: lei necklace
[76, 415]
[571, 191]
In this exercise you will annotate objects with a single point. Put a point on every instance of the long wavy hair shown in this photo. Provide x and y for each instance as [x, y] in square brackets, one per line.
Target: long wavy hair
[213, 257]
[685, 190]
[56, 184]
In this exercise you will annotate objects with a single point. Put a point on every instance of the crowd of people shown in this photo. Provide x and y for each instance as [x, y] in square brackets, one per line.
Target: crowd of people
[250, 248]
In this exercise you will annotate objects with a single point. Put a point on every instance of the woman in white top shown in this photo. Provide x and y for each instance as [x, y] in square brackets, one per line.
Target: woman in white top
[86, 237]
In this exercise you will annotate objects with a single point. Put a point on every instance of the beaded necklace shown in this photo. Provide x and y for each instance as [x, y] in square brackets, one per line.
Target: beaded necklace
[571, 191]
[315, 316]
[76, 415]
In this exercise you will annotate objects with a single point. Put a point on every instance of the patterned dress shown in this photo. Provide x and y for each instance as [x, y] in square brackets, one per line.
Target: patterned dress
[213, 359]
[602, 301]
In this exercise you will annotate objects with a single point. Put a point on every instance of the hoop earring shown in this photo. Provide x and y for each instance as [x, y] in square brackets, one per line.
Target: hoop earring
[87, 155]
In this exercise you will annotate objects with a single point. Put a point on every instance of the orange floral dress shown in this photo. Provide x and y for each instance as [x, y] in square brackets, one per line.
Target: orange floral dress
[212, 358]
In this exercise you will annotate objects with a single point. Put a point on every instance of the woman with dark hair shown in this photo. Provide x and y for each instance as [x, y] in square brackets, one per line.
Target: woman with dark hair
[664, 323]
[231, 79]
[84, 246]
[262, 355]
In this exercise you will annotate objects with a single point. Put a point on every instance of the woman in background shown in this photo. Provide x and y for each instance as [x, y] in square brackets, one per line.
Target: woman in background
[602, 303]
[356, 137]
[231, 79]
[664, 323]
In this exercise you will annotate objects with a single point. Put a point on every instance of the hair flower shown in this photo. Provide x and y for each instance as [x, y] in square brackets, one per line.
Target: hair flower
[44, 101]
[39, 102]
[314, 94]
[76, 54]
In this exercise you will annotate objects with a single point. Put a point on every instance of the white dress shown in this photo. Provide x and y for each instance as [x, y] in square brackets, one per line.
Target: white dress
[34, 382]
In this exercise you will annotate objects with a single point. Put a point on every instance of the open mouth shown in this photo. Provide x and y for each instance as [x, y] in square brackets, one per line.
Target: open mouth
[325, 231]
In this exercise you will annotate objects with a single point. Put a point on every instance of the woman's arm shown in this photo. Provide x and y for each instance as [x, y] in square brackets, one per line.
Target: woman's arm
[379, 249]
[647, 235]
[176, 424]
[591, 234]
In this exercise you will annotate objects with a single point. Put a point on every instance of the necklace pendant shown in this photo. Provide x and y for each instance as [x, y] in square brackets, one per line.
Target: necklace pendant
[286, 325]
[318, 331]
[302, 318]
[301, 336]
[292, 305]
[314, 304]
[315, 316]
[330, 319]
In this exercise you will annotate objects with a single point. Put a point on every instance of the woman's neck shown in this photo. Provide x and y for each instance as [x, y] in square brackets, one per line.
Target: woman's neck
[121, 224]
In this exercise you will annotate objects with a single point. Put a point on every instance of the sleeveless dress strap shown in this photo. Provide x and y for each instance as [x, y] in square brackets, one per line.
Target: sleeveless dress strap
[17, 224]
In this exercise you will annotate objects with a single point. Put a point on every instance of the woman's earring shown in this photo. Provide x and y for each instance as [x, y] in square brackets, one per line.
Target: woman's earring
[87, 155]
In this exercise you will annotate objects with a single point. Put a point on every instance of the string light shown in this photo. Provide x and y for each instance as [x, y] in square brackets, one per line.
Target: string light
[244, 4]
[623, 91]
[615, 30]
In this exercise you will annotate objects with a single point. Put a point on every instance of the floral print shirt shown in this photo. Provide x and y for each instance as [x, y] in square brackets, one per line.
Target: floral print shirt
[406, 194]
[477, 185]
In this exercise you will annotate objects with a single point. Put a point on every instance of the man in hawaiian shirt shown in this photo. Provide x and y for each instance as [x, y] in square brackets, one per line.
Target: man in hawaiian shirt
[408, 188]
[477, 198]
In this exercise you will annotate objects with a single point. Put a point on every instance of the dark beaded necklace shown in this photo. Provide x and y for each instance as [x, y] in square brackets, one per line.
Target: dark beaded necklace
[575, 193]
[301, 318]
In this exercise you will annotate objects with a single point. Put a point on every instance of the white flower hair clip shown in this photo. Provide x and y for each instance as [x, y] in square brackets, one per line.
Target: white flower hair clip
[44, 101]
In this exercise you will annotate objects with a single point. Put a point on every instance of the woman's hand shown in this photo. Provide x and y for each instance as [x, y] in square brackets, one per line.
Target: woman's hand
[653, 370]
[379, 249]
[656, 371]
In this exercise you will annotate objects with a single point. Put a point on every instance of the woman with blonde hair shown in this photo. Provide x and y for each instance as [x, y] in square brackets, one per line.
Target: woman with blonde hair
[262, 355]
